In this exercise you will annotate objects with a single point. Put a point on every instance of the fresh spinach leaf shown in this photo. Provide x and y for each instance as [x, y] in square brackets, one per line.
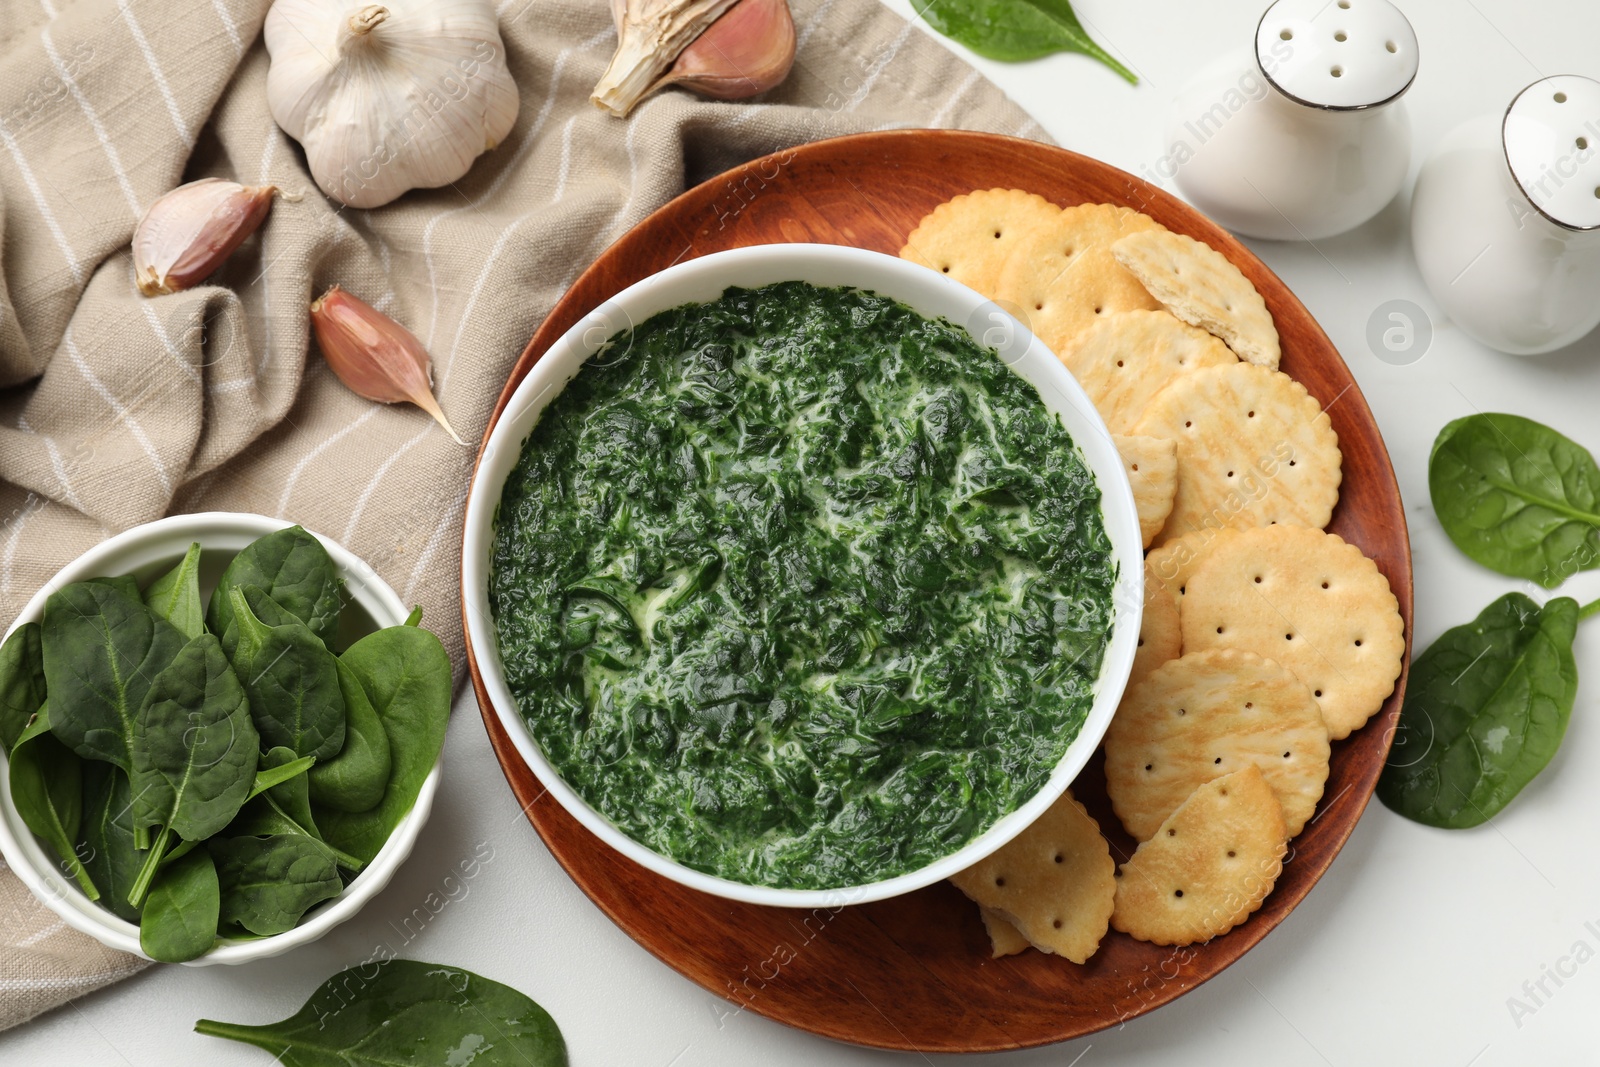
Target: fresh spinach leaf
[268, 883]
[126, 584]
[47, 791]
[1014, 30]
[1485, 710]
[415, 618]
[294, 569]
[105, 841]
[1517, 497]
[355, 779]
[102, 649]
[175, 596]
[180, 916]
[405, 673]
[292, 681]
[265, 817]
[22, 688]
[408, 1012]
[267, 777]
[195, 751]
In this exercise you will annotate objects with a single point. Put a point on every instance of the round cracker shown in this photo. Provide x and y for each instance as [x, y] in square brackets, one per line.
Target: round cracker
[1123, 360]
[1160, 632]
[1207, 715]
[1173, 562]
[1254, 448]
[1310, 601]
[1054, 881]
[1208, 867]
[1063, 275]
[1200, 286]
[1004, 938]
[1151, 464]
[970, 237]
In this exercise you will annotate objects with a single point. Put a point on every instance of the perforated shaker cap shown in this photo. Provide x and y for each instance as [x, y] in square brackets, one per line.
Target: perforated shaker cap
[1552, 136]
[1341, 55]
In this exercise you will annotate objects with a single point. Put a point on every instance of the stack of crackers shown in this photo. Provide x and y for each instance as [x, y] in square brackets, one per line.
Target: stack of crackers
[1264, 638]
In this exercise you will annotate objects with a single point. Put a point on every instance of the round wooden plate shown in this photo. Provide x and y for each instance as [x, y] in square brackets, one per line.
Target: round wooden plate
[914, 973]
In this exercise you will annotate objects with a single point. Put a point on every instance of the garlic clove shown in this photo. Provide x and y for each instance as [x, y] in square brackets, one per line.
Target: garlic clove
[388, 97]
[650, 36]
[749, 50]
[375, 356]
[186, 234]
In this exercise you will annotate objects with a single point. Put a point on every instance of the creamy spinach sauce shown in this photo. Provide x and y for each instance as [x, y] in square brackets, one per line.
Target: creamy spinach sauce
[800, 588]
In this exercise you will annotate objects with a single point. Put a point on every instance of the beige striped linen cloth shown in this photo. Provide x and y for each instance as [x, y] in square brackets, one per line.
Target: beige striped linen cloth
[116, 409]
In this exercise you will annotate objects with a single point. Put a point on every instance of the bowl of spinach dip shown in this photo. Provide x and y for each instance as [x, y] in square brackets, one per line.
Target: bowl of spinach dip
[802, 574]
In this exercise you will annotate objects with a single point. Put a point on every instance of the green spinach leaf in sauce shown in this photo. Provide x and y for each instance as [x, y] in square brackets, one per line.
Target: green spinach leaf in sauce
[802, 588]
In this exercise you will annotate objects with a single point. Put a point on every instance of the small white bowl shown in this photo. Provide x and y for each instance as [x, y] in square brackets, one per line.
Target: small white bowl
[929, 293]
[145, 552]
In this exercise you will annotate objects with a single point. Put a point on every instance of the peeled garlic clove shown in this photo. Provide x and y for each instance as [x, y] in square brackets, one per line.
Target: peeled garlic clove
[388, 97]
[650, 35]
[378, 358]
[747, 51]
[186, 234]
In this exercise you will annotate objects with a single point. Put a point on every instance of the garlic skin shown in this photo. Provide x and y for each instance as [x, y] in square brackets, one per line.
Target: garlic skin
[650, 36]
[749, 50]
[389, 97]
[186, 234]
[375, 356]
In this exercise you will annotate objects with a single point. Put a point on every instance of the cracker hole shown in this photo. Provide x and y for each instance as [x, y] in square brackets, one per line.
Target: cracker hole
[1258, 579]
[1217, 761]
[1358, 642]
[1188, 425]
[1222, 792]
[1172, 833]
[1231, 853]
[1324, 585]
[1098, 310]
[1219, 629]
[1135, 468]
[1059, 858]
[945, 269]
[1177, 892]
[1149, 766]
[1249, 703]
[1183, 711]
[997, 235]
[1141, 642]
[1285, 756]
[1038, 307]
[1230, 474]
[1288, 637]
[1056, 924]
[1250, 415]
[1291, 463]
[1119, 362]
[1318, 693]
[1000, 883]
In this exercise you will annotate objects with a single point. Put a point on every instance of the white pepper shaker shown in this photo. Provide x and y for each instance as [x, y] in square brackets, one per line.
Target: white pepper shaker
[1304, 135]
[1505, 219]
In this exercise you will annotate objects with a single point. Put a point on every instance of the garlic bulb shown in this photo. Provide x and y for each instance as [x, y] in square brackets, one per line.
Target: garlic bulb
[388, 97]
[650, 34]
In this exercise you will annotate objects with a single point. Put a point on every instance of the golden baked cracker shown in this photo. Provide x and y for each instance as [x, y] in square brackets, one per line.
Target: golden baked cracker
[1175, 560]
[1054, 881]
[1200, 286]
[1123, 360]
[1004, 938]
[1254, 448]
[970, 237]
[1207, 867]
[1310, 601]
[1152, 466]
[1207, 715]
[1063, 276]
[1160, 632]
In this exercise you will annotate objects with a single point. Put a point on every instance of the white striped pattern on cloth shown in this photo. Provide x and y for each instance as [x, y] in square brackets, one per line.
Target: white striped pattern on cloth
[111, 416]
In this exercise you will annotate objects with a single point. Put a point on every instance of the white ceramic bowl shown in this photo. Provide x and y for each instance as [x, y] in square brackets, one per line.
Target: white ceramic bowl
[144, 552]
[934, 295]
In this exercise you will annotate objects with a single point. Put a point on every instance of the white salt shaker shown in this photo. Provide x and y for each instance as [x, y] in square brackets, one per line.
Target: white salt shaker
[1304, 135]
[1505, 220]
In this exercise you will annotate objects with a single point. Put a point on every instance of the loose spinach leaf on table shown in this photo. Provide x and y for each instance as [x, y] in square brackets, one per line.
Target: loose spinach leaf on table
[105, 841]
[180, 916]
[195, 751]
[22, 688]
[1014, 30]
[405, 673]
[408, 1012]
[294, 569]
[175, 596]
[268, 883]
[355, 779]
[102, 649]
[1485, 710]
[1517, 497]
[292, 681]
[47, 791]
